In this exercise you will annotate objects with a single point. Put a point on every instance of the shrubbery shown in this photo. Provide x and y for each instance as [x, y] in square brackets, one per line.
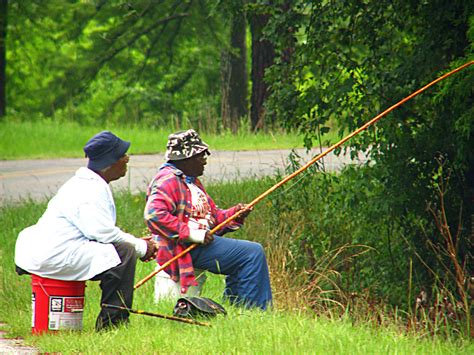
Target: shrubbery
[345, 226]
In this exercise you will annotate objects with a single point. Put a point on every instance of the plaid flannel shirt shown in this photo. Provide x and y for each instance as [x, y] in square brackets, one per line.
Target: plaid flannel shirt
[167, 213]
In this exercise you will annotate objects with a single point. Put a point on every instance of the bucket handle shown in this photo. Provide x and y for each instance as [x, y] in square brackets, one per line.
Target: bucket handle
[44, 290]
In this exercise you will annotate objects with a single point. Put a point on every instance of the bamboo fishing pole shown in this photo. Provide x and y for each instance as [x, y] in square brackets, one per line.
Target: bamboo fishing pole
[306, 166]
[137, 311]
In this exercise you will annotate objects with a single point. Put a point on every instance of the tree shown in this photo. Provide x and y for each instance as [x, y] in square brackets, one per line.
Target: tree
[234, 73]
[3, 59]
[119, 61]
[262, 58]
[352, 60]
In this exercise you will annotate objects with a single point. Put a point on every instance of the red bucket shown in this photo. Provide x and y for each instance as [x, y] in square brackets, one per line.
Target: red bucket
[56, 304]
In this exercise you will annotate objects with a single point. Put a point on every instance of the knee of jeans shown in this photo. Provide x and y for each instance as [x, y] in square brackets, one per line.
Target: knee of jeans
[256, 250]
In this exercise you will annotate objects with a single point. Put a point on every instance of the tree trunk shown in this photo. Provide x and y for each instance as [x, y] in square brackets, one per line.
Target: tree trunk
[234, 75]
[3, 58]
[288, 37]
[262, 57]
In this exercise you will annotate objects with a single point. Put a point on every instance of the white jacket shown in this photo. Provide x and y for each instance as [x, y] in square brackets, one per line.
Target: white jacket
[72, 240]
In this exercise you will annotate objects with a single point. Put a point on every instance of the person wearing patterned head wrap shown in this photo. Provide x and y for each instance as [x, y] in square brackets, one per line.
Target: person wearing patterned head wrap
[179, 212]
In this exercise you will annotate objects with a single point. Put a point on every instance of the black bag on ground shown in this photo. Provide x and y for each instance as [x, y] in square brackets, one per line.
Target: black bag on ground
[192, 307]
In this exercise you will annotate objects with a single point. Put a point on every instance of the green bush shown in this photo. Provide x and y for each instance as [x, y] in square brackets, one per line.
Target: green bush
[350, 215]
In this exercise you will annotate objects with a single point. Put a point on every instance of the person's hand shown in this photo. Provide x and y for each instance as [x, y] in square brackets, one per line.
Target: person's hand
[151, 249]
[208, 238]
[244, 214]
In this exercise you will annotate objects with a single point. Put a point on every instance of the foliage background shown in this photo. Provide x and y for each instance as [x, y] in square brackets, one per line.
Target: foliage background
[113, 61]
[350, 60]
[336, 64]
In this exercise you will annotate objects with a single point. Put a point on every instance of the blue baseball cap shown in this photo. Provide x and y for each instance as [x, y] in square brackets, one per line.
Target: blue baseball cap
[104, 149]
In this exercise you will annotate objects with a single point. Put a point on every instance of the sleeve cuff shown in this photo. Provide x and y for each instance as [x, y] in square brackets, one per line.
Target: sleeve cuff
[140, 244]
[197, 236]
[141, 247]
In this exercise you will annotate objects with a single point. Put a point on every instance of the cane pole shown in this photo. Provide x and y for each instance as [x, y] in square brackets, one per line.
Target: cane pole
[307, 165]
[137, 311]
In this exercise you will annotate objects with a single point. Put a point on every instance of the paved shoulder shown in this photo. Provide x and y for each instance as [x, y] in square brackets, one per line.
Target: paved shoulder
[40, 179]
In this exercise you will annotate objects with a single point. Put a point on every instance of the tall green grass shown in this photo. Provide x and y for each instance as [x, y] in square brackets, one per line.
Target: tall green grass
[44, 139]
[289, 328]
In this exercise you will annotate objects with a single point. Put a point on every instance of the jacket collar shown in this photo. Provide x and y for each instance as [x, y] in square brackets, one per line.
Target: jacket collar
[177, 172]
[86, 173]
[173, 169]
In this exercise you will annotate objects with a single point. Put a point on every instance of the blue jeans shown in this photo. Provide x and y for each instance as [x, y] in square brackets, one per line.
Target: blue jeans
[245, 265]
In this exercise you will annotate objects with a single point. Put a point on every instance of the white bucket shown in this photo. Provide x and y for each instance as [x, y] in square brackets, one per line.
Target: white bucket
[165, 288]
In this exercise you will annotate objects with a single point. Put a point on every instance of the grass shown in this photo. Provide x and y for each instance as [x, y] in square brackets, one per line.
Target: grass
[289, 328]
[40, 140]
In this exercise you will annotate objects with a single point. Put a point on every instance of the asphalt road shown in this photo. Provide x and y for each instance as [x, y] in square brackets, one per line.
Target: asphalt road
[40, 179]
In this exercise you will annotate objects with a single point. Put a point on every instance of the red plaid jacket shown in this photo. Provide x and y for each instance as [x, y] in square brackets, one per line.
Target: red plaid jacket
[166, 215]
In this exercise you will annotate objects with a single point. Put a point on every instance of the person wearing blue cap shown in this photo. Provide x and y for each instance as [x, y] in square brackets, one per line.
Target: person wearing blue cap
[77, 239]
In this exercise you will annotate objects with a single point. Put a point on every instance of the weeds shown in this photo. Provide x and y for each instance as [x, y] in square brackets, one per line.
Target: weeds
[305, 295]
[312, 311]
[446, 311]
[328, 218]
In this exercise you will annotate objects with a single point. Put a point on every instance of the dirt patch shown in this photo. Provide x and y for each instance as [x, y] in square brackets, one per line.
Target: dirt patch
[14, 345]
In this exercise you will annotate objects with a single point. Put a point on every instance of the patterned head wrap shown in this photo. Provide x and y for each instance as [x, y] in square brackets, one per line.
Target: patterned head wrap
[184, 144]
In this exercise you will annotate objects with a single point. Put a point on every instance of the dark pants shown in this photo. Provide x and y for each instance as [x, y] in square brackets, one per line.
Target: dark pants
[117, 287]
